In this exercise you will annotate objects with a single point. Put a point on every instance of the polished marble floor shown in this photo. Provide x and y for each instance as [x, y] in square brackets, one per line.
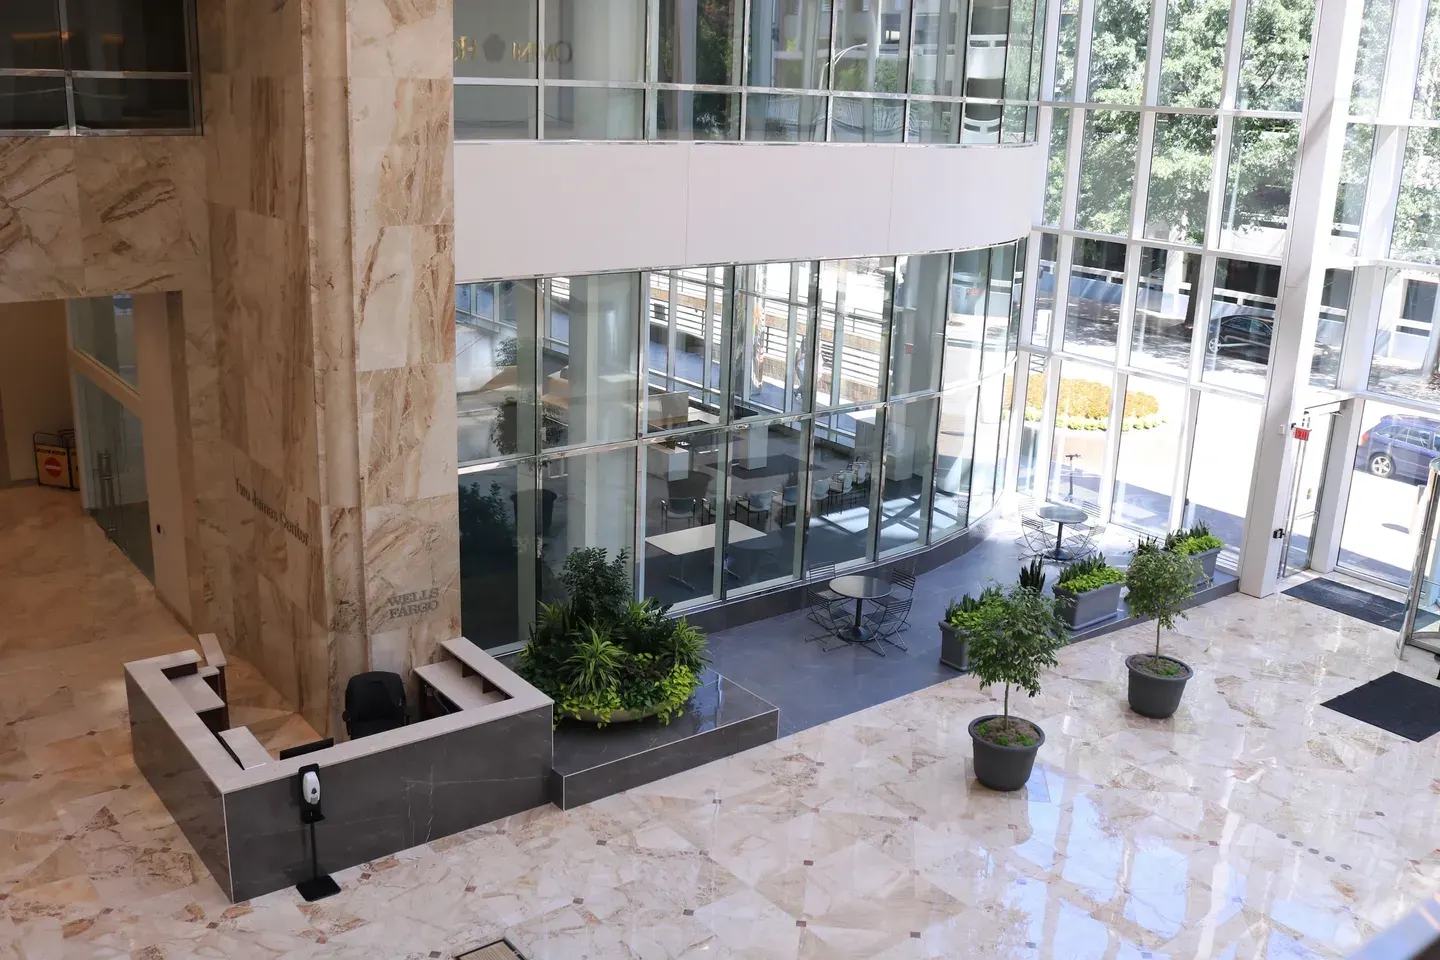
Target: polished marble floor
[1256, 823]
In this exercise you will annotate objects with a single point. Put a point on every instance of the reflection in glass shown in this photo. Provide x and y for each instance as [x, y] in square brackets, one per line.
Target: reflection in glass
[938, 61]
[682, 487]
[1242, 324]
[872, 45]
[918, 329]
[789, 44]
[1066, 42]
[1055, 165]
[909, 462]
[30, 36]
[33, 103]
[933, 121]
[1427, 78]
[1107, 171]
[955, 449]
[1256, 208]
[1121, 33]
[1028, 472]
[696, 115]
[1077, 448]
[998, 307]
[104, 329]
[1226, 429]
[965, 330]
[495, 38]
[1404, 363]
[593, 113]
[1092, 312]
[1180, 170]
[687, 309]
[1275, 55]
[981, 121]
[1022, 59]
[844, 466]
[1002, 464]
[855, 304]
[770, 345]
[784, 117]
[1193, 67]
[497, 597]
[494, 113]
[133, 35]
[595, 40]
[112, 443]
[1017, 298]
[1149, 446]
[767, 488]
[589, 358]
[1165, 303]
[1045, 290]
[869, 120]
[1392, 463]
[1374, 47]
[987, 446]
[1417, 210]
[593, 506]
[1350, 194]
[700, 41]
[132, 104]
[495, 369]
[1330, 329]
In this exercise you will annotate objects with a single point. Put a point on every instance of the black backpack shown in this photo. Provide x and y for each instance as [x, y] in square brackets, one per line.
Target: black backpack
[374, 703]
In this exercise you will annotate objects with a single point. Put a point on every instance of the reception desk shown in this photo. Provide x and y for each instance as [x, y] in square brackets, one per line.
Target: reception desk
[487, 755]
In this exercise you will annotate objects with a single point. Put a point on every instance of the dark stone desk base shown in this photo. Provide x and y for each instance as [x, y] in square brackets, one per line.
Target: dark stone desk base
[723, 718]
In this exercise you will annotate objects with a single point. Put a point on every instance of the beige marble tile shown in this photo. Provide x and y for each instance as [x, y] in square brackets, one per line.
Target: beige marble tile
[41, 254]
[407, 434]
[401, 38]
[412, 580]
[406, 297]
[140, 202]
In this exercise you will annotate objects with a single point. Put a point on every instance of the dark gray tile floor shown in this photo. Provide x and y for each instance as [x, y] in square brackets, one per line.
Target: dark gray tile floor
[772, 659]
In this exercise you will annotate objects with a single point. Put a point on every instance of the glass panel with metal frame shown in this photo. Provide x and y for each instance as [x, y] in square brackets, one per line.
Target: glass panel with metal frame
[1192, 70]
[1028, 470]
[1255, 211]
[869, 120]
[700, 41]
[965, 328]
[1107, 171]
[954, 456]
[855, 311]
[1371, 55]
[1403, 360]
[1330, 329]
[872, 46]
[1120, 36]
[1044, 312]
[1055, 165]
[917, 338]
[1067, 39]
[1350, 193]
[988, 417]
[766, 502]
[1150, 432]
[495, 369]
[1275, 55]
[844, 469]
[909, 458]
[770, 343]
[680, 502]
[1166, 299]
[103, 328]
[1092, 310]
[1077, 447]
[589, 350]
[998, 301]
[1226, 431]
[1417, 209]
[497, 589]
[1180, 167]
[588, 498]
[686, 307]
[1242, 324]
[789, 45]
[937, 65]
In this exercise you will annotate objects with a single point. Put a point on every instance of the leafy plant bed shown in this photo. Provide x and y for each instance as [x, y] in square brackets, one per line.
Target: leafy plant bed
[1088, 592]
[606, 658]
[1012, 732]
[1166, 668]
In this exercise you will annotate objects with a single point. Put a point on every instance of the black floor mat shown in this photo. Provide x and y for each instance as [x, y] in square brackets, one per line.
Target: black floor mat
[1395, 702]
[1343, 598]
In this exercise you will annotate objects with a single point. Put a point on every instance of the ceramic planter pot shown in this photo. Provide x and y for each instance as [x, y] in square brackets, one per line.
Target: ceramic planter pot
[954, 648]
[1205, 559]
[1002, 768]
[1081, 610]
[1154, 696]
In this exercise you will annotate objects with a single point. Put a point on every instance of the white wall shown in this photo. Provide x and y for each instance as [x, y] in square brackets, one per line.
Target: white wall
[531, 208]
[34, 379]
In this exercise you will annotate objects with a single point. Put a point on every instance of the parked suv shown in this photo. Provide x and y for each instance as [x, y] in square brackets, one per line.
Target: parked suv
[1400, 448]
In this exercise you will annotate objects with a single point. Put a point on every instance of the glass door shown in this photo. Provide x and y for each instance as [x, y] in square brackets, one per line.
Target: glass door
[112, 444]
[1312, 452]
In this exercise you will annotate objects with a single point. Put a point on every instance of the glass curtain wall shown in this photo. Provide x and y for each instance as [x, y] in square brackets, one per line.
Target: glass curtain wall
[1157, 256]
[924, 71]
[728, 428]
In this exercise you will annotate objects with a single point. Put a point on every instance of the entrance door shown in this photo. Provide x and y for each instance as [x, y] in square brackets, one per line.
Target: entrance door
[1312, 452]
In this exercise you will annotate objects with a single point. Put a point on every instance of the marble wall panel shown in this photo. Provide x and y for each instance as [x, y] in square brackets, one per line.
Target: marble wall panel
[41, 254]
[399, 38]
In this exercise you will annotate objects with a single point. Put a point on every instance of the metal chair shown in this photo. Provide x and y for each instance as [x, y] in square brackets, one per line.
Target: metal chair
[757, 504]
[680, 508]
[822, 601]
[789, 503]
[890, 620]
[904, 579]
[1036, 540]
[1086, 538]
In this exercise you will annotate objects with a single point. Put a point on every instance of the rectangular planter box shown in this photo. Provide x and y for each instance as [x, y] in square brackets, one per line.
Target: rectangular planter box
[1206, 559]
[1086, 609]
[954, 648]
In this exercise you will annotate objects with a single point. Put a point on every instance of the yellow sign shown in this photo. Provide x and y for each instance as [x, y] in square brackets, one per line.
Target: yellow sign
[52, 466]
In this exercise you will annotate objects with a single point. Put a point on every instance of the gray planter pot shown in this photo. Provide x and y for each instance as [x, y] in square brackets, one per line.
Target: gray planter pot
[1206, 560]
[1086, 609]
[954, 648]
[1002, 768]
[1156, 697]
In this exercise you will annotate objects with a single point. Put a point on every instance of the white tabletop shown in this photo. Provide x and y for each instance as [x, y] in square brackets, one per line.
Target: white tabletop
[245, 748]
[695, 539]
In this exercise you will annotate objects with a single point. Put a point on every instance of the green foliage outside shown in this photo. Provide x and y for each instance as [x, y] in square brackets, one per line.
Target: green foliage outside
[1015, 636]
[1092, 573]
[1085, 405]
[1160, 582]
[600, 650]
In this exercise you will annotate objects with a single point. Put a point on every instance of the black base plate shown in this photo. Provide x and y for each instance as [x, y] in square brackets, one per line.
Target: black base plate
[317, 888]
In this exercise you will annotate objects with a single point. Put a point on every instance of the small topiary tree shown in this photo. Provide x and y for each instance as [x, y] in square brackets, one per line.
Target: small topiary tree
[1160, 582]
[1015, 637]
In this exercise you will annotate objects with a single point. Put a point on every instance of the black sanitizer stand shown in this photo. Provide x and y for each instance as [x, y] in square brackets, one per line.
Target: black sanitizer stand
[320, 885]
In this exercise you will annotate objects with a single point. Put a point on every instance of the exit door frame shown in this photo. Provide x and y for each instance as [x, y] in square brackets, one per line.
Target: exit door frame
[1307, 417]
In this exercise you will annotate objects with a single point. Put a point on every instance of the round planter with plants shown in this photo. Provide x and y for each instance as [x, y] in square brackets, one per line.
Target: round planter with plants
[1015, 637]
[1087, 592]
[604, 657]
[1160, 583]
[961, 618]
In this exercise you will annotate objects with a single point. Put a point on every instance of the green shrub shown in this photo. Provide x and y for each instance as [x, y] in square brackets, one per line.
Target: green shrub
[600, 651]
[1016, 635]
[966, 613]
[1085, 405]
[1032, 575]
[1160, 582]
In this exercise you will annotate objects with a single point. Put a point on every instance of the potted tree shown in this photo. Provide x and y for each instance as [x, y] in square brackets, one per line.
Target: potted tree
[1160, 582]
[1200, 545]
[1016, 636]
[961, 618]
[1088, 592]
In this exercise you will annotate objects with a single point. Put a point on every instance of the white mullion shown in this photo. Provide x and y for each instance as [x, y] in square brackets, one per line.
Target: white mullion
[1154, 52]
[1128, 295]
[1074, 147]
[1027, 293]
[1045, 449]
[1064, 255]
[1362, 320]
[1050, 46]
[1215, 207]
[1180, 487]
[1200, 334]
[1140, 192]
[1234, 53]
[1382, 191]
[1109, 465]
[1082, 50]
[1402, 60]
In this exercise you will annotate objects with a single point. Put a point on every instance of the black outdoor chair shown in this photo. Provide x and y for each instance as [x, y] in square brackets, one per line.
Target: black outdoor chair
[374, 703]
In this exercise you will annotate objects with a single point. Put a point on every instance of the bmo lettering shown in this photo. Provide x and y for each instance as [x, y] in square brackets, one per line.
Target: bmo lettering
[409, 604]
